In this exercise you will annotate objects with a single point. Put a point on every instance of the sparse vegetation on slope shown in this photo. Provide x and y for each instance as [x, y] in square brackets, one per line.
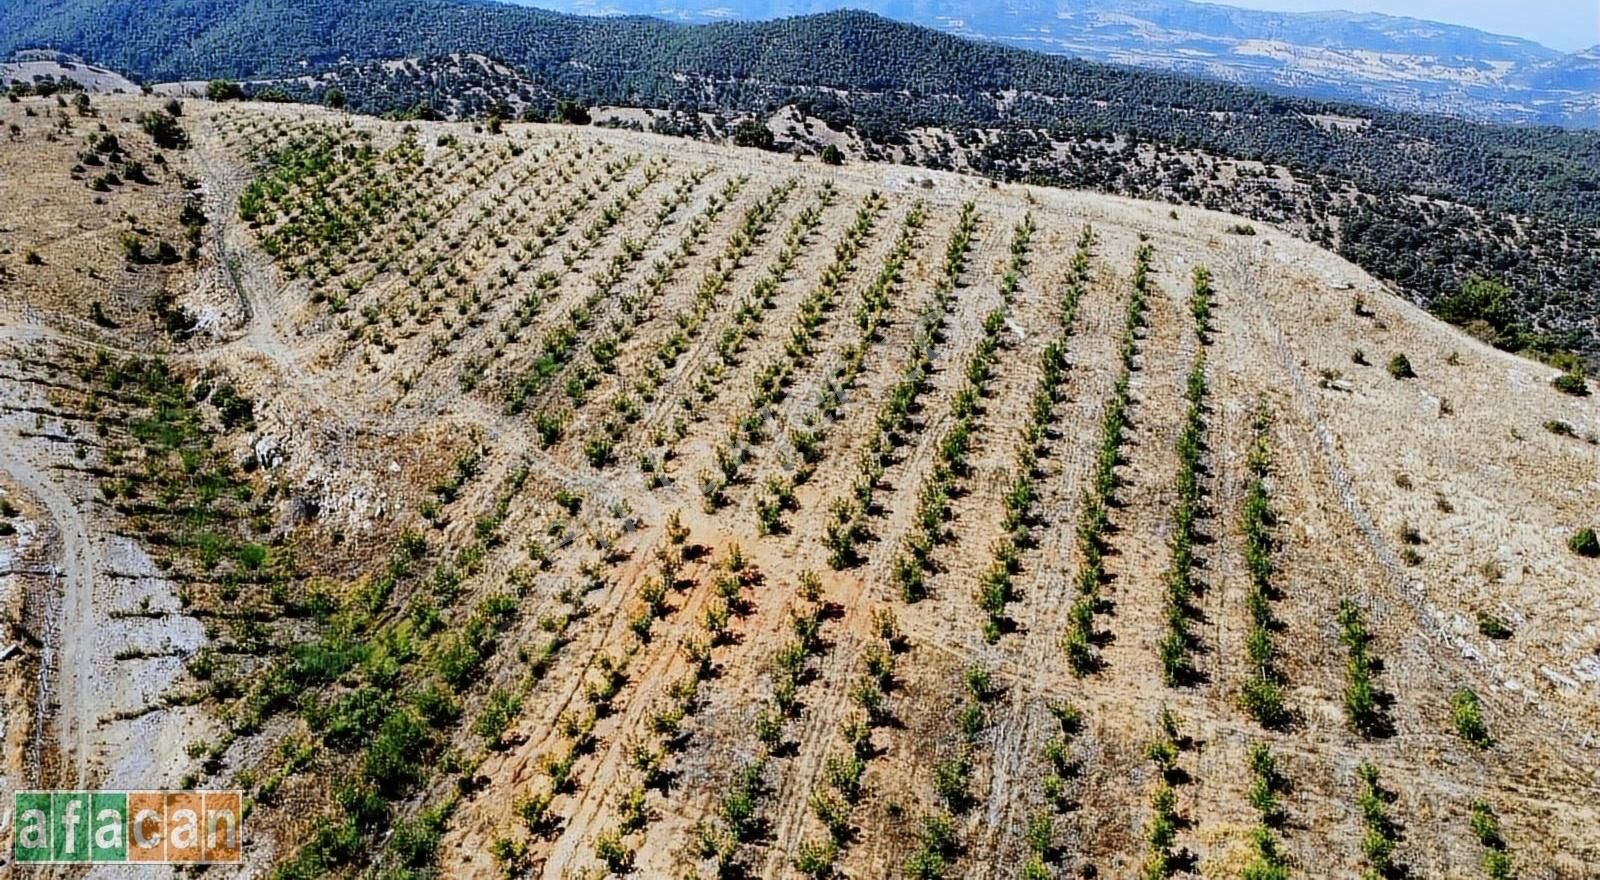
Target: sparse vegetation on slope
[428, 631]
[1094, 518]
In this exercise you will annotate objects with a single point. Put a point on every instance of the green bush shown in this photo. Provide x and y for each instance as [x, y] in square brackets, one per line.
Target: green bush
[416, 840]
[1572, 382]
[1262, 698]
[1467, 714]
[1400, 367]
[937, 844]
[164, 129]
[815, 859]
[1486, 828]
[1492, 627]
[950, 782]
[611, 851]
[499, 711]
[224, 90]
[753, 133]
[1382, 832]
[572, 112]
[395, 759]
[1584, 542]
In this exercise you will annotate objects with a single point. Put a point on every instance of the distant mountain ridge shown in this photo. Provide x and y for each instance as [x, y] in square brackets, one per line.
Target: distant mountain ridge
[1393, 61]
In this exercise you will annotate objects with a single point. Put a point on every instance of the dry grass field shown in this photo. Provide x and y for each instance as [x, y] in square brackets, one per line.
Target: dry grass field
[559, 502]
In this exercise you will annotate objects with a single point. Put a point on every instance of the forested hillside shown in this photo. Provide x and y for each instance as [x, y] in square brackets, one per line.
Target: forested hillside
[1390, 61]
[1436, 200]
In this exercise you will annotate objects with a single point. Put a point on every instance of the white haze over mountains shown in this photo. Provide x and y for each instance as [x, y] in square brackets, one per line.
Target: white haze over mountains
[1568, 25]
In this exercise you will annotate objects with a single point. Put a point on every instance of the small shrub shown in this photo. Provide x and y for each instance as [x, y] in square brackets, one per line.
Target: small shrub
[1467, 715]
[501, 709]
[1400, 367]
[753, 133]
[1584, 543]
[1492, 627]
[815, 859]
[1496, 855]
[611, 851]
[1262, 698]
[598, 450]
[224, 90]
[1571, 382]
[164, 129]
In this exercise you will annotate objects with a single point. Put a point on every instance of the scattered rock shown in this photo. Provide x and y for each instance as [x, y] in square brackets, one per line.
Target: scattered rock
[267, 452]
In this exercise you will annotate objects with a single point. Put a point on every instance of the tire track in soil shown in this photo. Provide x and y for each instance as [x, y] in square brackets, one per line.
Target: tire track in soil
[971, 301]
[1048, 588]
[851, 590]
[997, 431]
[69, 616]
[711, 423]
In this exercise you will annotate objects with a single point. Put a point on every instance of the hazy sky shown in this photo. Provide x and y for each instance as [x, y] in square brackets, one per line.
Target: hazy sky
[1562, 24]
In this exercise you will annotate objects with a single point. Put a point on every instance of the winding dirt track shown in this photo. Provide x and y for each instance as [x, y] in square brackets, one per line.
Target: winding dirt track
[70, 609]
[72, 618]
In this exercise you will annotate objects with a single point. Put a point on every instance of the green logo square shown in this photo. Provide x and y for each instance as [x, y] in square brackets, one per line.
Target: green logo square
[70, 828]
[30, 839]
[109, 827]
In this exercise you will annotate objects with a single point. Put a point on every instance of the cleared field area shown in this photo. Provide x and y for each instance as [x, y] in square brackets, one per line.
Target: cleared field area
[558, 502]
